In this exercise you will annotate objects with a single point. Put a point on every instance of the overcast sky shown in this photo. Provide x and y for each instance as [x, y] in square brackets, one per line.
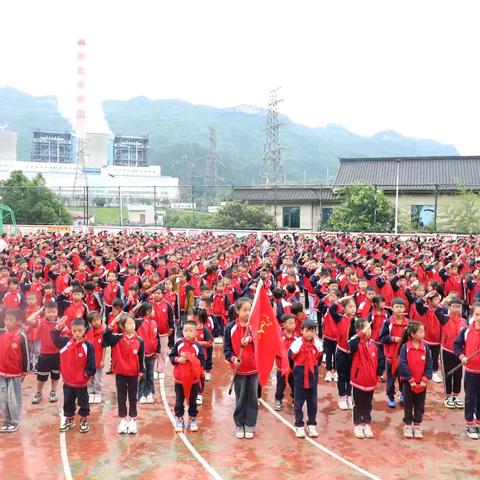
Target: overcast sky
[412, 66]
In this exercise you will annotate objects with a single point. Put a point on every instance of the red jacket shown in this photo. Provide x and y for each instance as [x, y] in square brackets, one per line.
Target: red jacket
[234, 333]
[148, 331]
[13, 299]
[450, 332]
[364, 362]
[95, 337]
[164, 316]
[392, 329]
[13, 353]
[425, 314]
[287, 342]
[467, 343]
[376, 321]
[110, 293]
[47, 347]
[128, 356]
[77, 359]
[415, 364]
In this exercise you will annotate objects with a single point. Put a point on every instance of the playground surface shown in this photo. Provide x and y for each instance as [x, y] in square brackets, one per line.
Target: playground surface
[38, 450]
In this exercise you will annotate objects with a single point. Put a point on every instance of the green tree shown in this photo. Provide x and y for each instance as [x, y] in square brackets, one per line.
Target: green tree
[463, 213]
[239, 215]
[32, 201]
[364, 208]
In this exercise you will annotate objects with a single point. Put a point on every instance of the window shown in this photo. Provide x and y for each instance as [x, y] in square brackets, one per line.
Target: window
[422, 216]
[326, 212]
[291, 217]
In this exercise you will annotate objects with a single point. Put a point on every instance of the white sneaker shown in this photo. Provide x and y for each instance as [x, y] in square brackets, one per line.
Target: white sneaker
[342, 403]
[150, 398]
[335, 376]
[367, 431]
[312, 431]
[249, 433]
[143, 400]
[240, 432]
[218, 340]
[208, 376]
[155, 375]
[98, 398]
[199, 399]
[358, 431]
[161, 375]
[123, 426]
[437, 378]
[329, 376]
[91, 398]
[299, 432]
[132, 426]
[350, 403]
[408, 431]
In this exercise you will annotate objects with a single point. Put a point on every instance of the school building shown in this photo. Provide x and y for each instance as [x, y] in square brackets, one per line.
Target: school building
[428, 187]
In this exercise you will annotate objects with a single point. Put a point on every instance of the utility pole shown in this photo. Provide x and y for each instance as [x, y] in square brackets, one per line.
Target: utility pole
[211, 176]
[272, 172]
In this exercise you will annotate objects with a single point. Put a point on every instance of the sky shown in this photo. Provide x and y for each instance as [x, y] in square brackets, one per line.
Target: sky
[411, 66]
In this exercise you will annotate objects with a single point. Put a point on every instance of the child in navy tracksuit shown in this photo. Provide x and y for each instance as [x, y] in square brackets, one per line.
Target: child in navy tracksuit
[77, 366]
[363, 378]
[467, 344]
[415, 370]
[306, 353]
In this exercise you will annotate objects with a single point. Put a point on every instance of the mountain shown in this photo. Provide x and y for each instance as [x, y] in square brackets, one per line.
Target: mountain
[178, 128]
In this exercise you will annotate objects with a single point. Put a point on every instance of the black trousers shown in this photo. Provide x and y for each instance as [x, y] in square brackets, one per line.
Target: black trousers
[302, 395]
[381, 359]
[453, 383]
[391, 383]
[282, 385]
[472, 396]
[209, 362]
[435, 351]
[362, 407]
[127, 386]
[71, 396]
[246, 400]
[413, 404]
[343, 362]
[180, 400]
[219, 326]
[329, 347]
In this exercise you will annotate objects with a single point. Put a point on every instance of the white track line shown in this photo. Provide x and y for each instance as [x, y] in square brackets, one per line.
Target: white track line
[63, 452]
[184, 438]
[319, 446]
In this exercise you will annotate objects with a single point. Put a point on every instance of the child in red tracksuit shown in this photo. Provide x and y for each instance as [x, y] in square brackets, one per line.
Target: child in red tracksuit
[391, 336]
[377, 318]
[414, 370]
[95, 336]
[467, 346]
[14, 365]
[205, 340]
[146, 327]
[288, 337]
[188, 360]
[77, 365]
[219, 309]
[363, 378]
[238, 338]
[306, 353]
[329, 333]
[128, 363]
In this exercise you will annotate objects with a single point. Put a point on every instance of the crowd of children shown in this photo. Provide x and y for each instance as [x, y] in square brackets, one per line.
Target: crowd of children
[399, 311]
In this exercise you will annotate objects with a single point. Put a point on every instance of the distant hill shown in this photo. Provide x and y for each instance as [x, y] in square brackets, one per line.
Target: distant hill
[177, 128]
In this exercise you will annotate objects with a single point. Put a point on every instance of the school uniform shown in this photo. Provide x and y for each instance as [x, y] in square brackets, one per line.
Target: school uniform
[95, 337]
[377, 319]
[147, 330]
[49, 357]
[77, 365]
[128, 361]
[246, 378]
[391, 329]
[423, 313]
[467, 343]
[282, 379]
[414, 367]
[189, 372]
[14, 363]
[363, 378]
[329, 335]
[306, 357]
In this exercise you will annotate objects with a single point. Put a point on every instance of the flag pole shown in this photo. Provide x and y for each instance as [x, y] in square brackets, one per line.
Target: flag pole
[460, 365]
[247, 331]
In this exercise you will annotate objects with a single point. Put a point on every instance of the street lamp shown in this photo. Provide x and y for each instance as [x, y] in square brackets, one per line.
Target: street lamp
[396, 195]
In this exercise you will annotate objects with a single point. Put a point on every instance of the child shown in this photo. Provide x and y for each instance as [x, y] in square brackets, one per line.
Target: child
[239, 351]
[452, 325]
[32, 332]
[188, 360]
[128, 363]
[77, 365]
[329, 333]
[14, 365]
[49, 357]
[203, 338]
[345, 330]
[146, 327]
[209, 323]
[466, 344]
[220, 305]
[414, 369]
[391, 336]
[377, 318]
[288, 337]
[164, 317]
[300, 316]
[306, 353]
[364, 377]
[95, 336]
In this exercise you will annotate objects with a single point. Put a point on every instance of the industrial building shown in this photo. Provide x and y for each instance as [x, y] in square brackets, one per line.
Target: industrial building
[53, 147]
[130, 151]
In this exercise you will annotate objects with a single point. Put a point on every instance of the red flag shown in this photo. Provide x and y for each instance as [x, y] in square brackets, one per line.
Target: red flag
[190, 372]
[266, 336]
